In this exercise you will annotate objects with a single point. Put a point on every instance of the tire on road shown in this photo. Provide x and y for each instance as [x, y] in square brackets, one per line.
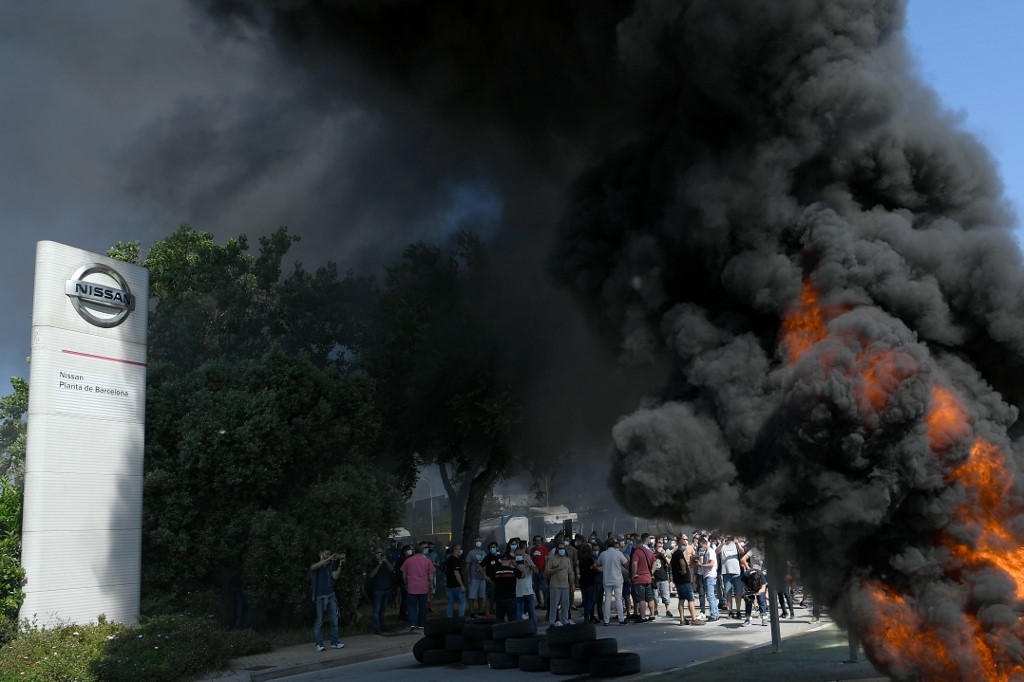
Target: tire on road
[568, 666]
[443, 626]
[531, 663]
[548, 650]
[441, 657]
[571, 634]
[522, 645]
[493, 646]
[622, 663]
[479, 629]
[426, 644]
[598, 648]
[517, 628]
[456, 643]
[474, 657]
[502, 661]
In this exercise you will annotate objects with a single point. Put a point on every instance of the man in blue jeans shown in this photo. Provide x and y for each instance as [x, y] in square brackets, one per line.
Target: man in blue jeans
[707, 569]
[456, 585]
[321, 579]
[379, 573]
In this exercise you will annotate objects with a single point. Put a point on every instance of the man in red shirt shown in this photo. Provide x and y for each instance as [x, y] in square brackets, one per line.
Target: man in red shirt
[539, 554]
[642, 572]
[418, 574]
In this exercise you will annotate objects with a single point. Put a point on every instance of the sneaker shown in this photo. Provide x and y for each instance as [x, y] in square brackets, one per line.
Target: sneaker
[698, 621]
[568, 622]
[746, 624]
[339, 645]
[321, 647]
[668, 614]
[764, 622]
[604, 622]
[557, 623]
[412, 628]
[623, 622]
[713, 619]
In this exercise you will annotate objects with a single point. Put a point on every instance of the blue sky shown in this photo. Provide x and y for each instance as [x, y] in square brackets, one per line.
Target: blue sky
[82, 81]
[970, 53]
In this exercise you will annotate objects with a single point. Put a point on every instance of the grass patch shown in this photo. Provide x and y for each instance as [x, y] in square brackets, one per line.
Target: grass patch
[164, 648]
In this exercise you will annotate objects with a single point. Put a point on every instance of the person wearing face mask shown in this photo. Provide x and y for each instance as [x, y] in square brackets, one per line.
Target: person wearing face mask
[525, 570]
[558, 570]
[588, 580]
[477, 584]
[456, 588]
[682, 573]
[488, 565]
[379, 572]
[418, 572]
[539, 555]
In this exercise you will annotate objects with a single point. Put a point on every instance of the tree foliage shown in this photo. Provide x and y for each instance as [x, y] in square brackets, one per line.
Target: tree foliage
[13, 408]
[449, 389]
[260, 434]
[12, 575]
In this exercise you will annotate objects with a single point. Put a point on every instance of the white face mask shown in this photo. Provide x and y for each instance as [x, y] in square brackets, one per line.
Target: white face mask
[478, 543]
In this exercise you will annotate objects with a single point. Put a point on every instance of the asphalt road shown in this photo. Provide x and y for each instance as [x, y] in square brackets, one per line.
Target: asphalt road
[663, 646]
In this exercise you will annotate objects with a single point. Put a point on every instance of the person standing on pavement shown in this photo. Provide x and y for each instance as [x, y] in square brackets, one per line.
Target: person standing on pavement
[418, 573]
[477, 583]
[589, 577]
[488, 565]
[642, 572]
[380, 574]
[558, 570]
[525, 570]
[456, 587]
[611, 564]
[707, 568]
[539, 554]
[321, 579]
[505, 578]
[661, 573]
[683, 577]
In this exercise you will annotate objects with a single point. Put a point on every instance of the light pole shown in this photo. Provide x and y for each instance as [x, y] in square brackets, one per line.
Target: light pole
[430, 503]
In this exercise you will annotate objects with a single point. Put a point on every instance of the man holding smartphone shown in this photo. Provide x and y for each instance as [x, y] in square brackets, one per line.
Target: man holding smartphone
[321, 579]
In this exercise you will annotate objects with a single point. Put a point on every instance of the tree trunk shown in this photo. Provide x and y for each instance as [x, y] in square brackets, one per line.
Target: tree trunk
[479, 486]
[458, 493]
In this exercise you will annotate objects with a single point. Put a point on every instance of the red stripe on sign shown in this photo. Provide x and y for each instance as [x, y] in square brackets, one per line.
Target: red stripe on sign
[102, 357]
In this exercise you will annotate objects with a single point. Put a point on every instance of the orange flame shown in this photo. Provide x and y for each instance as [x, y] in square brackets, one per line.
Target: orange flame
[946, 419]
[804, 323]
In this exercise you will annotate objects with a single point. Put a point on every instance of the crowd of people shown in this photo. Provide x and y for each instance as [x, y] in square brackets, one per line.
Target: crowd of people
[620, 578]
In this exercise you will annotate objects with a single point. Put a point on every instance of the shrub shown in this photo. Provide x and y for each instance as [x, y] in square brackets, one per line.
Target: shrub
[12, 575]
[162, 648]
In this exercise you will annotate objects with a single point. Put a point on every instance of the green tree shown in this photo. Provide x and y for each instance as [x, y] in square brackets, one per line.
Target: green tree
[260, 428]
[448, 386]
[12, 575]
[13, 408]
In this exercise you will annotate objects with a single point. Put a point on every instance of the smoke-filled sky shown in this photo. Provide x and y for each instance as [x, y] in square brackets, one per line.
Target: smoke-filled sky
[121, 120]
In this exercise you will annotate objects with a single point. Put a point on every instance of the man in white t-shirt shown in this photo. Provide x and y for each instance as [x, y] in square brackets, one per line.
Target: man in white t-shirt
[729, 553]
[610, 564]
[707, 569]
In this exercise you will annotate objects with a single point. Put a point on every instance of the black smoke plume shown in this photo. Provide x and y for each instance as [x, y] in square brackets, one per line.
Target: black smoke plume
[692, 172]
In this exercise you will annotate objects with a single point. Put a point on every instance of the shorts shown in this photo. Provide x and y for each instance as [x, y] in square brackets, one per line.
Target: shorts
[685, 591]
[477, 589]
[643, 592]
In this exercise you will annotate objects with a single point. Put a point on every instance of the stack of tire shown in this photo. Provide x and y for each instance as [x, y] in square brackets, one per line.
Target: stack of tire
[566, 650]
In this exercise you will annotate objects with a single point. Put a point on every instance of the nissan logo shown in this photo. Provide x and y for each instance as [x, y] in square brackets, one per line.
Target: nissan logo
[113, 303]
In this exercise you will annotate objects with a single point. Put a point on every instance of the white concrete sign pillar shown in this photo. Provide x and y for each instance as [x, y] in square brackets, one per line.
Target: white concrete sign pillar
[82, 528]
